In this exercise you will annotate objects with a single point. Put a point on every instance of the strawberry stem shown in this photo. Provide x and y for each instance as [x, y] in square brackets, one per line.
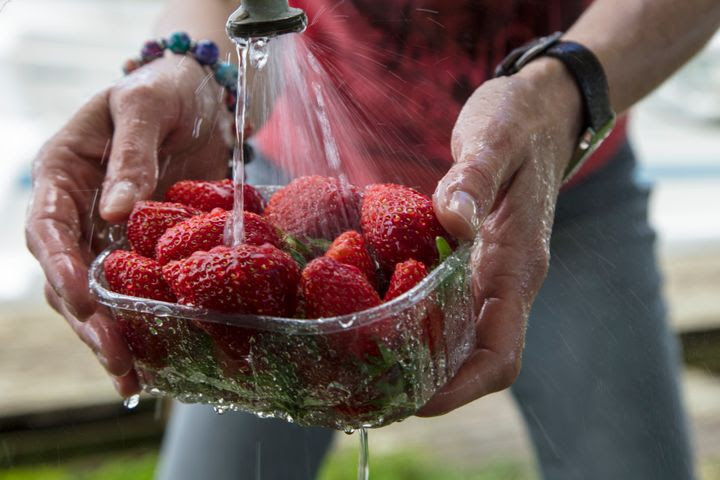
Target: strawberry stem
[443, 248]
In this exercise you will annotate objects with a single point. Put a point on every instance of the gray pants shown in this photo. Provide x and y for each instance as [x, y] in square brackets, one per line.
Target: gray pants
[598, 388]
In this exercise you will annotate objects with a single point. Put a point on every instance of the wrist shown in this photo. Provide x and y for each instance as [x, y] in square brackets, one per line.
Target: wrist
[562, 101]
[559, 91]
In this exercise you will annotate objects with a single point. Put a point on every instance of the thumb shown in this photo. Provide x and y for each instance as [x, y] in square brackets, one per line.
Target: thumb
[132, 170]
[467, 193]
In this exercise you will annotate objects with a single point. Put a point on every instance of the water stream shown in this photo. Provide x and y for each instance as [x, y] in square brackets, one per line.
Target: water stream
[253, 55]
[363, 471]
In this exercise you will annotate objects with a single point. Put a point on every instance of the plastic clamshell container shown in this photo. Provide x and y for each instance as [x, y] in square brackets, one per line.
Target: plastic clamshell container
[366, 369]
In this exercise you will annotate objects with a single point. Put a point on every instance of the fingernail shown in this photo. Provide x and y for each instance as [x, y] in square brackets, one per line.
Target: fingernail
[121, 197]
[465, 206]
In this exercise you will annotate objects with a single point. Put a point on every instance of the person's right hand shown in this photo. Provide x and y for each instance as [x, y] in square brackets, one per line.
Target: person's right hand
[164, 122]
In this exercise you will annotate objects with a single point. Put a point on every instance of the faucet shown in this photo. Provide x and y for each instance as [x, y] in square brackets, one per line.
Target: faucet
[264, 18]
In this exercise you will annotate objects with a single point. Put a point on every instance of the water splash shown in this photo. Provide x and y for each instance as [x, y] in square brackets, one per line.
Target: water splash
[259, 50]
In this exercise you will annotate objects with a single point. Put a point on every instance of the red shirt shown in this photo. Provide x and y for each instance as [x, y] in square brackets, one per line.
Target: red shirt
[399, 73]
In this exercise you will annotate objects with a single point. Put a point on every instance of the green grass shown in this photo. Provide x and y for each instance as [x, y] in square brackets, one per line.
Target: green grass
[417, 466]
[340, 465]
[135, 467]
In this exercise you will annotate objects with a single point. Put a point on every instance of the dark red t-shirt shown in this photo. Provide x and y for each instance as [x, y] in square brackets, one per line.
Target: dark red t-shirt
[403, 70]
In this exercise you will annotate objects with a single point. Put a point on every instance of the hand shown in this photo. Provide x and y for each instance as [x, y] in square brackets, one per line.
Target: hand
[163, 123]
[511, 144]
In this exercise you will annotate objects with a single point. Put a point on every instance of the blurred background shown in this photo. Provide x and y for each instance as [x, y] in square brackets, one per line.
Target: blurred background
[60, 418]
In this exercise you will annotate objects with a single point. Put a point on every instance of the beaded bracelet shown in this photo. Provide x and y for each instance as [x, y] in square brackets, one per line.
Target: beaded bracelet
[206, 52]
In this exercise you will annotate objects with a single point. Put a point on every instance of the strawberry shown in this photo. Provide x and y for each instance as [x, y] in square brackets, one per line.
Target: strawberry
[249, 279]
[315, 207]
[131, 274]
[259, 231]
[149, 220]
[201, 232]
[246, 279]
[407, 274]
[331, 288]
[206, 231]
[349, 248]
[399, 223]
[207, 195]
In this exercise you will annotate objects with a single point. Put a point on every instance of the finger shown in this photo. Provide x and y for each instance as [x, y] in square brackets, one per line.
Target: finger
[467, 193]
[509, 267]
[100, 334]
[126, 385]
[53, 235]
[486, 370]
[132, 170]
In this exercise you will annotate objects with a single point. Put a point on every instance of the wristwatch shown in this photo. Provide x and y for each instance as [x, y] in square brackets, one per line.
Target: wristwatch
[587, 71]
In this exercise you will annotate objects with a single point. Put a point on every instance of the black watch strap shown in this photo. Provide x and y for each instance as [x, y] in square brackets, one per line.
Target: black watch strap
[590, 77]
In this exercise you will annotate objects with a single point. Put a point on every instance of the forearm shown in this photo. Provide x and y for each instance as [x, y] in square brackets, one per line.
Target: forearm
[201, 19]
[642, 42]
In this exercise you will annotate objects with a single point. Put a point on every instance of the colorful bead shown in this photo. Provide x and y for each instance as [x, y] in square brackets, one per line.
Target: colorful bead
[226, 74]
[130, 66]
[206, 52]
[179, 42]
[152, 50]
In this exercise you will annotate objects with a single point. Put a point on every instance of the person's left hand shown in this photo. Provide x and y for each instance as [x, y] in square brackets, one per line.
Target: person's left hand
[511, 145]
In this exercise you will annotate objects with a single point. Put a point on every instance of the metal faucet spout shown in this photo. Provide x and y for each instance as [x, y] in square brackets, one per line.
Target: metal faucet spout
[265, 18]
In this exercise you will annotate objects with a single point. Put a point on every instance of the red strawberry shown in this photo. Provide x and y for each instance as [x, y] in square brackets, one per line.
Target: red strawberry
[399, 223]
[206, 231]
[131, 274]
[201, 232]
[244, 279]
[259, 231]
[149, 220]
[315, 207]
[349, 248]
[206, 195]
[407, 274]
[331, 288]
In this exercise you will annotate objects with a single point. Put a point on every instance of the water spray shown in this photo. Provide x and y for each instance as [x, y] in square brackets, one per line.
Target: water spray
[265, 18]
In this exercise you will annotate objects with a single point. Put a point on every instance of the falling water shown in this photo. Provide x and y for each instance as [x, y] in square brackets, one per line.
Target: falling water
[303, 121]
[252, 55]
[363, 456]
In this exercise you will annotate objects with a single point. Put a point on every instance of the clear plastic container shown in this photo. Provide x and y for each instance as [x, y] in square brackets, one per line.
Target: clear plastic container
[366, 369]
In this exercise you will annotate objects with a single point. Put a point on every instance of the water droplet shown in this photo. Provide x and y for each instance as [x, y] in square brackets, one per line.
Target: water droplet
[259, 52]
[161, 311]
[131, 401]
[347, 323]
